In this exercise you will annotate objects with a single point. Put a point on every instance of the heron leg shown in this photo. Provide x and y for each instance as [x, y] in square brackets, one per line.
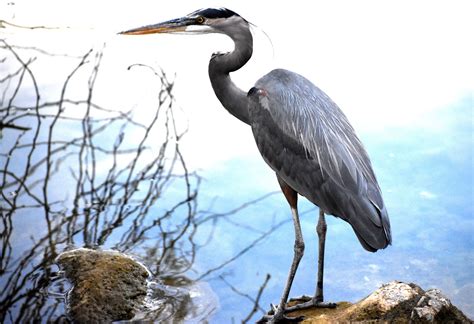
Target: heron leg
[292, 197]
[321, 229]
[317, 299]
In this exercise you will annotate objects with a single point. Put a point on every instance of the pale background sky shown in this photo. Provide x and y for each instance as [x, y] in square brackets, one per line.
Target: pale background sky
[384, 63]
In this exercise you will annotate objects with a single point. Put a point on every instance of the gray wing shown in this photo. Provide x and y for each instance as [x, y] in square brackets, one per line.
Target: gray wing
[304, 136]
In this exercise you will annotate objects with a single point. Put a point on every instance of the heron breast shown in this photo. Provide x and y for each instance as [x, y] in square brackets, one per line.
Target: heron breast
[288, 158]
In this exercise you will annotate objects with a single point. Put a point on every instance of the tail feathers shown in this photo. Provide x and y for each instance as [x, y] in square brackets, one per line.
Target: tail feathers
[370, 223]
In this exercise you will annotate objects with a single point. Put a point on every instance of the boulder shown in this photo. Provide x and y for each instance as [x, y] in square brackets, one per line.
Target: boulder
[107, 285]
[395, 302]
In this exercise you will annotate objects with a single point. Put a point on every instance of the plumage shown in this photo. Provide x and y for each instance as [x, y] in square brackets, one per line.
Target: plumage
[302, 135]
[212, 13]
[307, 140]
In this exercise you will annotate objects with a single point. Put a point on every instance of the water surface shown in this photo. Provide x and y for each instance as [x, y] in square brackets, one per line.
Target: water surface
[80, 170]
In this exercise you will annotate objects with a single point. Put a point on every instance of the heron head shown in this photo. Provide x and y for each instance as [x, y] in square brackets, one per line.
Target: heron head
[201, 21]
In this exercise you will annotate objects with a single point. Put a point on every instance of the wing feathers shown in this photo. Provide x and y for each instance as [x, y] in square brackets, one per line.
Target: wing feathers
[309, 142]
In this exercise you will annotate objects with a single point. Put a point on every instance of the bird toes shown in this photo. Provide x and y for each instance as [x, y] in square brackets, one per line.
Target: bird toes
[280, 319]
[311, 302]
[300, 299]
[277, 315]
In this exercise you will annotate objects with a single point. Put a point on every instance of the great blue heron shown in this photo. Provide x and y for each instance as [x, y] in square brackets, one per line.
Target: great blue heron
[302, 135]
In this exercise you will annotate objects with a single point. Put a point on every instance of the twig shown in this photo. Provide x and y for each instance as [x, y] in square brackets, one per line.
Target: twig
[256, 305]
[4, 22]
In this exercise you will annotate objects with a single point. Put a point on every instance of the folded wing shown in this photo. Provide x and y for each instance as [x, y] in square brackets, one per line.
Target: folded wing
[304, 136]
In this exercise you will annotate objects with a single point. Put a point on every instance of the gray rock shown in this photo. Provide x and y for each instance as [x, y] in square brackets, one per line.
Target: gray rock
[434, 307]
[395, 302]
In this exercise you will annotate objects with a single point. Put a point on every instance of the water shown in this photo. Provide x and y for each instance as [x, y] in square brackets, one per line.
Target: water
[120, 176]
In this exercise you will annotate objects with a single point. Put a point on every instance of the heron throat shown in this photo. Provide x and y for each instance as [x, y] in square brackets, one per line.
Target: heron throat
[232, 97]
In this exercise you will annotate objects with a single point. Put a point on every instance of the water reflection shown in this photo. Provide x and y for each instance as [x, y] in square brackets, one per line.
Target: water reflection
[76, 174]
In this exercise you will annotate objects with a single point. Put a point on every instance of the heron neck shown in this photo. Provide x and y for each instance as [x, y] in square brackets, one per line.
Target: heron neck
[232, 97]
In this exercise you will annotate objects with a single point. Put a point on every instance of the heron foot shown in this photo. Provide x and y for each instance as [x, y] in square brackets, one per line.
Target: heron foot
[308, 302]
[277, 315]
[301, 299]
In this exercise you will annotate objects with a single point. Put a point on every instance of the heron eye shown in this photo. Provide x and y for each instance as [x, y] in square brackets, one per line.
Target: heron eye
[200, 20]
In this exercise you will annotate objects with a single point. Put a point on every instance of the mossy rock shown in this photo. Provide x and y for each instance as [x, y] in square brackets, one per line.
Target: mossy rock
[107, 285]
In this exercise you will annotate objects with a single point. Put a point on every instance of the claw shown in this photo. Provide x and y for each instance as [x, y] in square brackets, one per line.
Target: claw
[277, 316]
[280, 319]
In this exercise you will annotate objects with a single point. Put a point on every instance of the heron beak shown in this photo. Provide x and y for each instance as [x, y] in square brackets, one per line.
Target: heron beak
[170, 26]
